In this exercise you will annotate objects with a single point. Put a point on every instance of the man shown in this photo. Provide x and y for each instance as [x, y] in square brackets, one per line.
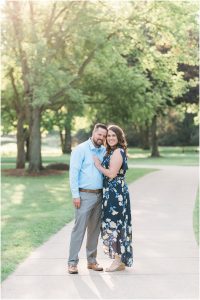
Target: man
[86, 184]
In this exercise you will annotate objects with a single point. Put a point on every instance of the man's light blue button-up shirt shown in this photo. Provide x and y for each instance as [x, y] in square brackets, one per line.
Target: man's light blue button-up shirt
[83, 173]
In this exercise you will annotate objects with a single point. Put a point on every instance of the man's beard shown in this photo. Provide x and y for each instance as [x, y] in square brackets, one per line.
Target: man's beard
[95, 142]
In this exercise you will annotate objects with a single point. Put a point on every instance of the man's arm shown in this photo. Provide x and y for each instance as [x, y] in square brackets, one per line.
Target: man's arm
[76, 160]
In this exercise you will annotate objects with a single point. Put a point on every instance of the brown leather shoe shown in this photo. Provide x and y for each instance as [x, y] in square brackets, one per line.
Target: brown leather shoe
[72, 269]
[95, 267]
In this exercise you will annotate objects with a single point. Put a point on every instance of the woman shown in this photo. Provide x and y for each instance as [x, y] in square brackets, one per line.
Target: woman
[116, 217]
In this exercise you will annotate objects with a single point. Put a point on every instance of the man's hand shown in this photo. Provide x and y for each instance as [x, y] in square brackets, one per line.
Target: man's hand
[77, 202]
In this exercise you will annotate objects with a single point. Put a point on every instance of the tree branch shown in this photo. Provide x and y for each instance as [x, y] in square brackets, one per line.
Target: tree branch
[14, 14]
[81, 69]
[54, 18]
[49, 24]
[16, 100]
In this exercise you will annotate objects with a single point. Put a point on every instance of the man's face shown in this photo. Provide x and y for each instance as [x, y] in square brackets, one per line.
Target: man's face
[99, 136]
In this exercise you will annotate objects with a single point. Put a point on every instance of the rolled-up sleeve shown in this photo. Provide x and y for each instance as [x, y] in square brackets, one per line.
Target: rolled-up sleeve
[76, 160]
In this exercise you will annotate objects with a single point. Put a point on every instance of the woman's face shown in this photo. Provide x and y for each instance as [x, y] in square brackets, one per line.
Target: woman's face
[112, 138]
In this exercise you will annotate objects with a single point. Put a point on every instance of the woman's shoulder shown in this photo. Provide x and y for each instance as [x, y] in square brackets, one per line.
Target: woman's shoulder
[119, 151]
[116, 151]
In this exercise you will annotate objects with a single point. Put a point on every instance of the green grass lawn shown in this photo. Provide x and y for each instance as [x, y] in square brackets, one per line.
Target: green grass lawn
[196, 218]
[34, 208]
[168, 156]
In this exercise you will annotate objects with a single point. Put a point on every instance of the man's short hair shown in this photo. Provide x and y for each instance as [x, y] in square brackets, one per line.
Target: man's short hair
[100, 125]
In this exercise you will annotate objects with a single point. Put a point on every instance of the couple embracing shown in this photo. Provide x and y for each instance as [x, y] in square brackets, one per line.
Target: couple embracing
[101, 199]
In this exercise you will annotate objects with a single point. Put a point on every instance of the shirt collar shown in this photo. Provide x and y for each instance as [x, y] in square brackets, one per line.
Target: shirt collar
[92, 147]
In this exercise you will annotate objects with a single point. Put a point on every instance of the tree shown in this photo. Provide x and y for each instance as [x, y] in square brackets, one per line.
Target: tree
[136, 78]
[62, 120]
[121, 61]
[164, 44]
[13, 114]
[52, 51]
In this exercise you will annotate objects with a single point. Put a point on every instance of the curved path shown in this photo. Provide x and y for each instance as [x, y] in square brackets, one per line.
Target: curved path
[165, 250]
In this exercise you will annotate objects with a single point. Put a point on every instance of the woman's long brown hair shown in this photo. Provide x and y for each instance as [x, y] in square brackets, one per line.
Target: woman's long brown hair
[121, 139]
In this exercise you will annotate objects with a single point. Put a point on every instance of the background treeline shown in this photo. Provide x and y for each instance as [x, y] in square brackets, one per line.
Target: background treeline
[173, 132]
[134, 63]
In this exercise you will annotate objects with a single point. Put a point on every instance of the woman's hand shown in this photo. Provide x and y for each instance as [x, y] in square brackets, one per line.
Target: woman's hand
[97, 162]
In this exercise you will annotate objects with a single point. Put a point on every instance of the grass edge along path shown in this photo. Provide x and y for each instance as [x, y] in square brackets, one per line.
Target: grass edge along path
[33, 209]
[196, 218]
[187, 156]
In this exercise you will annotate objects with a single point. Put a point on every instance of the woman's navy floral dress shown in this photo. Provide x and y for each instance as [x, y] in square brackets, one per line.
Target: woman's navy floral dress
[116, 228]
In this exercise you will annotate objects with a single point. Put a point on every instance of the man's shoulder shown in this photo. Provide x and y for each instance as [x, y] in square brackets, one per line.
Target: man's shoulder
[81, 146]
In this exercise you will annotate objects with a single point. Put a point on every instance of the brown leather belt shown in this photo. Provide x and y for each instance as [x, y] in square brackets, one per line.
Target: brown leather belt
[91, 191]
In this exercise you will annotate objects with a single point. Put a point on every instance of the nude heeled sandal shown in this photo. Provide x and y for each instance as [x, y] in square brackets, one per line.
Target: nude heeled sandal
[116, 266]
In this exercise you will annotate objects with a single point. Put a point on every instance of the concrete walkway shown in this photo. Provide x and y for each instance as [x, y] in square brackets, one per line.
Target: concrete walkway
[165, 250]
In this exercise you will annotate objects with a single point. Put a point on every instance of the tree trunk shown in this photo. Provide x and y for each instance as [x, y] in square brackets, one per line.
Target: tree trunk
[154, 139]
[61, 138]
[66, 138]
[20, 162]
[144, 132]
[26, 142]
[67, 141]
[35, 161]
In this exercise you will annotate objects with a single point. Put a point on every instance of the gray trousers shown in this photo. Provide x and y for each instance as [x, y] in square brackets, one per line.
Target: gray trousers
[87, 216]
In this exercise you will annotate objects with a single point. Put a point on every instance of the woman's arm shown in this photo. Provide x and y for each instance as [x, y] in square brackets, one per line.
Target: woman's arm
[114, 167]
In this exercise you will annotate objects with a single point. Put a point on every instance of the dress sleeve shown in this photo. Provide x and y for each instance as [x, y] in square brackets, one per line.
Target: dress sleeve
[124, 164]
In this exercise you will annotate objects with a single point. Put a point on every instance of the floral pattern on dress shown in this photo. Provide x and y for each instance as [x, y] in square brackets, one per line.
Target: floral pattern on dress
[116, 228]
